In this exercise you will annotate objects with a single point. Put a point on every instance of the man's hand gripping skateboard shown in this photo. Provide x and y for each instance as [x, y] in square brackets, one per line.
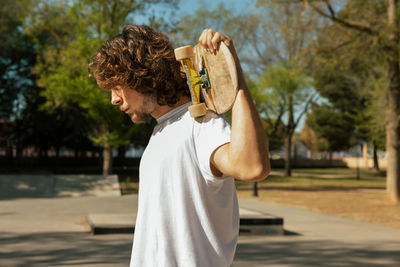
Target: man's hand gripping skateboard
[211, 73]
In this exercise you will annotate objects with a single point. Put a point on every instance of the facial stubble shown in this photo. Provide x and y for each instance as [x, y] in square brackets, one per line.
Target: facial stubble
[148, 106]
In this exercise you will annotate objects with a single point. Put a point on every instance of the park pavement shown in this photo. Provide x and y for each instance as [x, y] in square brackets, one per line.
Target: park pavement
[52, 231]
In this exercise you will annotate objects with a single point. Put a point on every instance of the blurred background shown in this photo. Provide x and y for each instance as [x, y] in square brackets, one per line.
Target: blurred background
[324, 75]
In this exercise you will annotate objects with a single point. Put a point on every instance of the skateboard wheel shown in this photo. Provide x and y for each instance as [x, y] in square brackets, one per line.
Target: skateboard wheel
[184, 52]
[197, 110]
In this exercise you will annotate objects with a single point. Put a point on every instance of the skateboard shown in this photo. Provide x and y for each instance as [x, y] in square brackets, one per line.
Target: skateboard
[211, 77]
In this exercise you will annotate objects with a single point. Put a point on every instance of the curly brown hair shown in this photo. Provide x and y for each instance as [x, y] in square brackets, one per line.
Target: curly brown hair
[142, 59]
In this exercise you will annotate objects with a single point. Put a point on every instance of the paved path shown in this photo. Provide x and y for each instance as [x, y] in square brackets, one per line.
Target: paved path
[34, 186]
[319, 240]
[53, 232]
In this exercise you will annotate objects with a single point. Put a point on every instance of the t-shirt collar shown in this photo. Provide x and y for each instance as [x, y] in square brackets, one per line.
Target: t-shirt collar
[174, 113]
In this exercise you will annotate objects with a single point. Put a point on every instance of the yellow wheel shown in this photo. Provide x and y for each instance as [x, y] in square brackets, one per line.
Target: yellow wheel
[184, 52]
[198, 110]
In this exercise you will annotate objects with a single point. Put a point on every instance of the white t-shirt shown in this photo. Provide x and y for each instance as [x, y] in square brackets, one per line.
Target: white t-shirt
[186, 216]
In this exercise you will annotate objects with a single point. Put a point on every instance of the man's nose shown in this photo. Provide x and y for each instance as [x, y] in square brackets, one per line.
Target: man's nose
[115, 99]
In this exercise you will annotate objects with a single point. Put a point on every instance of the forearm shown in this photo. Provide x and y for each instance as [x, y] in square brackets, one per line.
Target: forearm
[248, 149]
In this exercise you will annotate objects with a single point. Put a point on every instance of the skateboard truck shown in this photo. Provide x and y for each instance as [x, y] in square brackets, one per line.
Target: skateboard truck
[210, 75]
[205, 79]
[186, 55]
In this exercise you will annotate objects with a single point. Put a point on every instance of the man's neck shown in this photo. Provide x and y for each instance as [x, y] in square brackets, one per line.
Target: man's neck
[161, 110]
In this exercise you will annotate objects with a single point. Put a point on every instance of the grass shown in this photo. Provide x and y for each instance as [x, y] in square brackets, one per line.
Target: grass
[364, 173]
[358, 199]
[315, 183]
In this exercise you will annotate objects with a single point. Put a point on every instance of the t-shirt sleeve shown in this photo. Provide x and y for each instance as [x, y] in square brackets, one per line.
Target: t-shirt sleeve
[210, 132]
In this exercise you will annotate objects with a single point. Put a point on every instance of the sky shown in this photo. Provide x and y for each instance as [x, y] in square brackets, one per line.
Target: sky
[189, 6]
[186, 7]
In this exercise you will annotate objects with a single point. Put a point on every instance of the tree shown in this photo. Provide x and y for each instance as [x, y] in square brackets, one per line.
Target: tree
[340, 78]
[223, 19]
[331, 125]
[16, 57]
[274, 128]
[312, 141]
[44, 129]
[289, 91]
[279, 43]
[65, 53]
[380, 21]
[376, 111]
[351, 80]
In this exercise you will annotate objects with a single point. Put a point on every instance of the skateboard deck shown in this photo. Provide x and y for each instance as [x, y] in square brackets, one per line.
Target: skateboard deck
[212, 78]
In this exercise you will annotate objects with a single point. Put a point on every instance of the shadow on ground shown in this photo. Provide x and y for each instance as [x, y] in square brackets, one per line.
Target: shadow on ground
[64, 249]
[289, 252]
[79, 249]
[40, 186]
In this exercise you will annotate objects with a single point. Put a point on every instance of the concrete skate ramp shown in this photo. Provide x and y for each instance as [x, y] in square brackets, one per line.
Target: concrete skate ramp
[251, 223]
[38, 186]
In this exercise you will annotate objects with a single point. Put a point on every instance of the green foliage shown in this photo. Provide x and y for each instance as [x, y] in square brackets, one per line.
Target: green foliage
[44, 129]
[285, 81]
[45, 89]
[350, 74]
[69, 35]
[312, 141]
[189, 27]
[330, 124]
[286, 91]
[69, 84]
[16, 58]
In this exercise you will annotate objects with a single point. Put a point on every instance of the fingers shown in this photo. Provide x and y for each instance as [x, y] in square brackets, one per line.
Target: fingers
[206, 39]
[216, 40]
[211, 39]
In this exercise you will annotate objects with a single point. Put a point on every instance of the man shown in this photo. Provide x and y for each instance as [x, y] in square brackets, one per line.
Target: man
[188, 210]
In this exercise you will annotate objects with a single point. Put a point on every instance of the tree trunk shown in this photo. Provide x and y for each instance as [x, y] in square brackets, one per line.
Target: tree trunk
[330, 158]
[393, 106]
[294, 163]
[376, 162]
[288, 138]
[255, 189]
[121, 152]
[107, 159]
[288, 158]
[9, 149]
[19, 150]
[392, 141]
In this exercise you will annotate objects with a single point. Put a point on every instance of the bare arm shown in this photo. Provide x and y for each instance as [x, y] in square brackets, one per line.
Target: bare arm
[246, 157]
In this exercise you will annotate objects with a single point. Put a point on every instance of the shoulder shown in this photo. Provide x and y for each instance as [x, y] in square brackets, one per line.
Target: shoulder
[210, 124]
[210, 118]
